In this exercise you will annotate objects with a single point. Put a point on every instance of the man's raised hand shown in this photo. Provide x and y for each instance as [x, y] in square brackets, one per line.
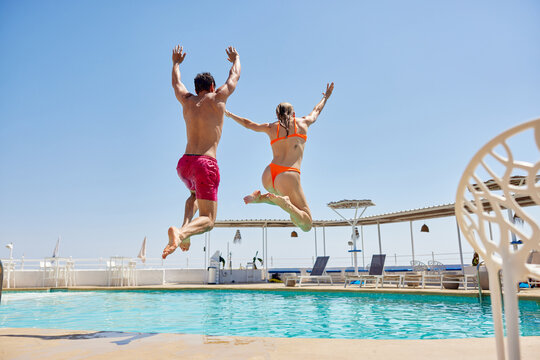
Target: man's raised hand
[232, 54]
[178, 55]
[329, 89]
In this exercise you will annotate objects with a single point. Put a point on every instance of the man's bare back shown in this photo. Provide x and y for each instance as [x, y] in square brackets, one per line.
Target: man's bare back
[203, 114]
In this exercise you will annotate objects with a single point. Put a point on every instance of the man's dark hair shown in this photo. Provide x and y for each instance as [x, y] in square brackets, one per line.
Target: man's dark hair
[204, 81]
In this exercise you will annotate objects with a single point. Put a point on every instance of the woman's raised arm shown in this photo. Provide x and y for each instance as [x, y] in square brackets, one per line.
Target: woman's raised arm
[248, 124]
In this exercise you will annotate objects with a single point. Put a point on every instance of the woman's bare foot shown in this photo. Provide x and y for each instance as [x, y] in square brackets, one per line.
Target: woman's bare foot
[174, 241]
[253, 198]
[282, 201]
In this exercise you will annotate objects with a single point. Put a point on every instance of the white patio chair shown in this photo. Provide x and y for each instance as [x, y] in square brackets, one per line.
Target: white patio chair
[47, 272]
[70, 273]
[494, 184]
[132, 279]
[435, 273]
[111, 268]
[9, 274]
[416, 276]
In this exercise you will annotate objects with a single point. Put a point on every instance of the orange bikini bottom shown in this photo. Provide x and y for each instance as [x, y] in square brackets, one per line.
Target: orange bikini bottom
[275, 170]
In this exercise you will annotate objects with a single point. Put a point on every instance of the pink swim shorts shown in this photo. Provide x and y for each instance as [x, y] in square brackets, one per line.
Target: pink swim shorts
[200, 173]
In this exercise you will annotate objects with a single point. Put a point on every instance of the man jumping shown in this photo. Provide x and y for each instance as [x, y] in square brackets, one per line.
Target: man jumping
[198, 169]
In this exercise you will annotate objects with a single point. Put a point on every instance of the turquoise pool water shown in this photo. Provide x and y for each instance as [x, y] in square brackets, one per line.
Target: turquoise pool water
[261, 313]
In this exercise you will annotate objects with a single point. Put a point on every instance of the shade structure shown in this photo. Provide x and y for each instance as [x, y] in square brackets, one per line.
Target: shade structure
[350, 204]
[356, 205]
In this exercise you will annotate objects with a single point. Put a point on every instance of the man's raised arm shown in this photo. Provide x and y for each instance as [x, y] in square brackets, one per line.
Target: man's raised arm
[179, 89]
[227, 89]
[310, 119]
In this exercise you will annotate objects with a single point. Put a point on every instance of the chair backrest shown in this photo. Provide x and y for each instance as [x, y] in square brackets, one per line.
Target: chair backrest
[377, 264]
[320, 265]
[470, 270]
[418, 266]
[436, 267]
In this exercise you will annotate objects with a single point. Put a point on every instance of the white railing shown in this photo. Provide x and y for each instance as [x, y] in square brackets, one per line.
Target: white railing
[195, 262]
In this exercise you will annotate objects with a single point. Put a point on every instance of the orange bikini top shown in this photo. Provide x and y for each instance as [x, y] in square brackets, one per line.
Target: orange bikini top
[303, 136]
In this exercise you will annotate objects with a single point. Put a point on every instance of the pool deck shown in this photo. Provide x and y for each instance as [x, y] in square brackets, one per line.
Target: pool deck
[26, 343]
[29, 344]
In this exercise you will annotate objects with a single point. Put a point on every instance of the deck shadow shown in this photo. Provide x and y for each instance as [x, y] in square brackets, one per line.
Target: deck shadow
[95, 335]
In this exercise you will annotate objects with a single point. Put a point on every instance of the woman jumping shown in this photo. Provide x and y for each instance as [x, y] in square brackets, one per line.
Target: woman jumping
[282, 177]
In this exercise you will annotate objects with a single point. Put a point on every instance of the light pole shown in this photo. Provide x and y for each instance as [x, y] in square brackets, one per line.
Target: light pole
[10, 247]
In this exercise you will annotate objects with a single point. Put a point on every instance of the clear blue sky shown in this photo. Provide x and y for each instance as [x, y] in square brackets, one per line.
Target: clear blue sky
[90, 130]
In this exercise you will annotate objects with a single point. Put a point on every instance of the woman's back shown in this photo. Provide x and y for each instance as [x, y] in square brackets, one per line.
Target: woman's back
[288, 150]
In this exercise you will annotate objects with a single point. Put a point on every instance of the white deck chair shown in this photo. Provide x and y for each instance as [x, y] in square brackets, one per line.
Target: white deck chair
[496, 186]
[318, 272]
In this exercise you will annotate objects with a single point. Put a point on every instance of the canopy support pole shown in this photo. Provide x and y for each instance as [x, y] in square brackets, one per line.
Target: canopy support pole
[412, 240]
[324, 240]
[379, 232]
[460, 249]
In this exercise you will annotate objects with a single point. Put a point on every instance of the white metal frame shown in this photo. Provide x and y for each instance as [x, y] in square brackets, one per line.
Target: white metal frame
[314, 277]
[358, 204]
[472, 196]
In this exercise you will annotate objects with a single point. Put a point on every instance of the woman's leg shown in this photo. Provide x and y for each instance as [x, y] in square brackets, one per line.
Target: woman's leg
[286, 192]
[290, 197]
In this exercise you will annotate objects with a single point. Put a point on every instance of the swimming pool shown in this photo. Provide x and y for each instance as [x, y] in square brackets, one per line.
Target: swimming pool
[261, 313]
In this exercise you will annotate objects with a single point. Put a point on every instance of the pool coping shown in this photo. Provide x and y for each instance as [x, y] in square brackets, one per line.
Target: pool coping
[524, 294]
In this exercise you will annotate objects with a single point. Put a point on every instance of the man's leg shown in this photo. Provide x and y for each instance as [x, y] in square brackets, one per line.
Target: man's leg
[190, 209]
[204, 223]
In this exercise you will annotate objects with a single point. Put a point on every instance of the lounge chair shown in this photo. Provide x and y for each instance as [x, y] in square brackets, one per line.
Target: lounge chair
[372, 275]
[353, 278]
[376, 274]
[318, 272]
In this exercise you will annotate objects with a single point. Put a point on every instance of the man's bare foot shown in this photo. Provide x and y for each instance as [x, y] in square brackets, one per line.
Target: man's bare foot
[185, 244]
[174, 241]
[253, 198]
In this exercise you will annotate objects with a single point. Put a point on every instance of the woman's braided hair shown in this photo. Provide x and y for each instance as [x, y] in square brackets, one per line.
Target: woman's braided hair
[284, 112]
